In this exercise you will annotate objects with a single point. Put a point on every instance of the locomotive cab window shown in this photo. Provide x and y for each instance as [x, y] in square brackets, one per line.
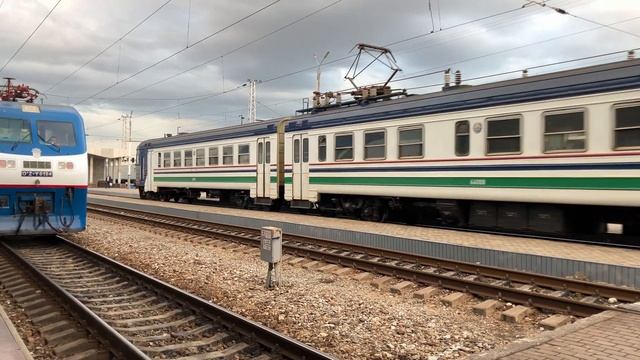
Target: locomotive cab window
[375, 145]
[243, 154]
[627, 127]
[199, 157]
[344, 147]
[322, 148]
[166, 159]
[503, 136]
[188, 158]
[462, 138]
[15, 131]
[159, 160]
[213, 156]
[57, 133]
[410, 142]
[227, 155]
[177, 158]
[564, 131]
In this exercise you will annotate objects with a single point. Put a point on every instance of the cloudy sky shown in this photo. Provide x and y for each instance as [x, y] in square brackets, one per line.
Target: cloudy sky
[183, 62]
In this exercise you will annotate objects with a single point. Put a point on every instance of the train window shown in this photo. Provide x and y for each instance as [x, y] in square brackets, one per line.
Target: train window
[410, 142]
[159, 160]
[344, 147]
[267, 150]
[503, 136]
[296, 150]
[305, 150]
[627, 131]
[188, 158]
[58, 133]
[260, 152]
[177, 158]
[322, 148]
[15, 131]
[243, 154]
[199, 157]
[227, 155]
[213, 156]
[462, 138]
[375, 145]
[166, 159]
[564, 132]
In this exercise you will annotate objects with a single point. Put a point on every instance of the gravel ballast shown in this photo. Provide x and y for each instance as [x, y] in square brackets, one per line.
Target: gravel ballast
[338, 315]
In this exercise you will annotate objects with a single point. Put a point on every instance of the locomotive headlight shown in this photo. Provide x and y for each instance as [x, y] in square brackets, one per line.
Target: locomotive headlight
[11, 164]
[61, 165]
[3, 164]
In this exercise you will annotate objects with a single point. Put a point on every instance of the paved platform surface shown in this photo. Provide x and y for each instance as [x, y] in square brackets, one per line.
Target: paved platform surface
[566, 250]
[11, 345]
[610, 335]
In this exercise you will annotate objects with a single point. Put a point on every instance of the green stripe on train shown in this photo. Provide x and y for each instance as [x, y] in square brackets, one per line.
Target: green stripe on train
[226, 179]
[585, 183]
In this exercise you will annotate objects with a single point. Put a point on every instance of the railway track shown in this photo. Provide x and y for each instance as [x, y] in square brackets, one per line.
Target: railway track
[559, 295]
[607, 240]
[135, 316]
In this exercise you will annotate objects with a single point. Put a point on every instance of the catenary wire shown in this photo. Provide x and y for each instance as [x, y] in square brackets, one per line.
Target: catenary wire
[15, 53]
[178, 52]
[108, 47]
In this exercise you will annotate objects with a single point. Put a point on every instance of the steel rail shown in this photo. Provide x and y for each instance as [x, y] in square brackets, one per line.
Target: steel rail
[278, 343]
[116, 343]
[483, 289]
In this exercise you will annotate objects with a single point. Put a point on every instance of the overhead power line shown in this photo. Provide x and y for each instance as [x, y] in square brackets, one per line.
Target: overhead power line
[564, 12]
[30, 36]
[231, 51]
[304, 69]
[109, 46]
[179, 52]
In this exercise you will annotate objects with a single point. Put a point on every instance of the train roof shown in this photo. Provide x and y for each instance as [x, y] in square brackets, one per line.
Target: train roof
[615, 76]
[15, 108]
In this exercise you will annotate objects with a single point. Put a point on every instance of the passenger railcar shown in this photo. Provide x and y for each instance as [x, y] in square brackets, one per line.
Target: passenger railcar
[43, 169]
[551, 153]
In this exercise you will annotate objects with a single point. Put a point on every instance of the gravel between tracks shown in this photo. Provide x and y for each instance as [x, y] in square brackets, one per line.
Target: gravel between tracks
[340, 316]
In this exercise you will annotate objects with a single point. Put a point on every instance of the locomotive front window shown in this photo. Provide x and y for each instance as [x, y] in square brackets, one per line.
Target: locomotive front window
[243, 154]
[564, 132]
[627, 131]
[410, 142]
[503, 136]
[15, 131]
[374, 145]
[344, 147]
[58, 133]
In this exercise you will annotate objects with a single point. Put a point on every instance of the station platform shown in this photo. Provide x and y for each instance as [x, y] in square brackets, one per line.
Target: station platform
[610, 335]
[611, 265]
[11, 345]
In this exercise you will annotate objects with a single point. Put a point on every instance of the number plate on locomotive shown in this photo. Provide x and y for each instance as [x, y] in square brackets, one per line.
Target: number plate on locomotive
[37, 173]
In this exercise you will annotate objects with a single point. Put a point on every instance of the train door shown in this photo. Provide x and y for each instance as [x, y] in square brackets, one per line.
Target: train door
[263, 170]
[300, 173]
